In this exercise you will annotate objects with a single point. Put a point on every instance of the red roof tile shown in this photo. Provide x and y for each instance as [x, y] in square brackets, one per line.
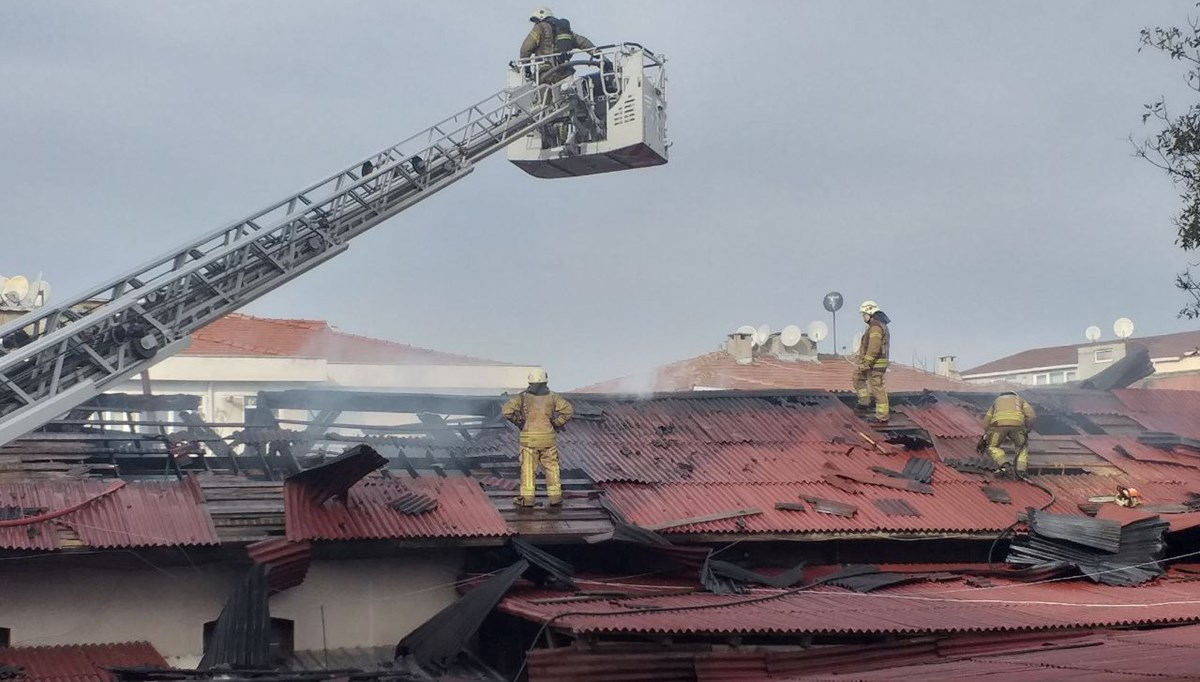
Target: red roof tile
[463, 511]
[136, 514]
[79, 662]
[1165, 346]
[912, 609]
[719, 370]
[243, 335]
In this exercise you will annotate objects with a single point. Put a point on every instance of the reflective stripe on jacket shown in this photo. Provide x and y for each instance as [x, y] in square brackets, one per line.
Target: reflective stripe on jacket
[1010, 410]
[538, 416]
[873, 349]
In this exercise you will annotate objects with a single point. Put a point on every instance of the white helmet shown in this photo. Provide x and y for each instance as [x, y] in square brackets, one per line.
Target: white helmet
[538, 376]
[868, 308]
[541, 14]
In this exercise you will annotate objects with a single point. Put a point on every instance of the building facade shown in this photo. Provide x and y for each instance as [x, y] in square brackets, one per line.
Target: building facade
[1172, 354]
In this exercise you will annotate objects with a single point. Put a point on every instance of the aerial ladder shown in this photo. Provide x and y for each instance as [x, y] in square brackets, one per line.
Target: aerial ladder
[607, 114]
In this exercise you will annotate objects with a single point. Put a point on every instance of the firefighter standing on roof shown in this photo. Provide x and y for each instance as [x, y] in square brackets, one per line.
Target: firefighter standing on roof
[1009, 419]
[539, 413]
[873, 362]
[551, 35]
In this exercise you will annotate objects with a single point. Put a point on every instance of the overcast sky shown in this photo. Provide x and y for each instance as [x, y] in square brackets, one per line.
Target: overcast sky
[965, 164]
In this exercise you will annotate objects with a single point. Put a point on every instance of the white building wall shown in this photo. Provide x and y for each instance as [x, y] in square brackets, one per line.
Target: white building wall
[365, 602]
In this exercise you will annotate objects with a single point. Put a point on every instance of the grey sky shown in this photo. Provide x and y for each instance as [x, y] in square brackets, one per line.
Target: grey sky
[965, 164]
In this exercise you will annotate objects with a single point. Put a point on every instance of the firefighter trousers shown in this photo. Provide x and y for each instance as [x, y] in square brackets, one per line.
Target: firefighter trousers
[868, 385]
[998, 435]
[547, 458]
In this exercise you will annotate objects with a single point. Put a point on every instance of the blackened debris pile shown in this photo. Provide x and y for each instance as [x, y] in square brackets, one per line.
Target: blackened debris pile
[1101, 549]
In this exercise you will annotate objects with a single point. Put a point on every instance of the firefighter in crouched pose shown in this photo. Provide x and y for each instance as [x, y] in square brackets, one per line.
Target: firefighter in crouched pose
[1008, 419]
[539, 413]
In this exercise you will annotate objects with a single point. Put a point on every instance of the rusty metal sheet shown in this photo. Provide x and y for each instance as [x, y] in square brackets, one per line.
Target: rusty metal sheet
[463, 511]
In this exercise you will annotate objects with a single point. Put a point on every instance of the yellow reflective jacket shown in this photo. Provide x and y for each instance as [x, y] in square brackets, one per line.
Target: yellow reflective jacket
[873, 349]
[538, 416]
[1010, 409]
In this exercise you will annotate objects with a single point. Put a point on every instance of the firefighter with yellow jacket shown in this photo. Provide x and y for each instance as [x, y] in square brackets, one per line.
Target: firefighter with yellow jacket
[1009, 419]
[539, 413]
[552, 35]
[873, 362]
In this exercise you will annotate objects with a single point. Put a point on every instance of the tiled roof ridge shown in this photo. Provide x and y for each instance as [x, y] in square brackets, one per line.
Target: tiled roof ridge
[1005, 363]
[321, 338]
[421, 349]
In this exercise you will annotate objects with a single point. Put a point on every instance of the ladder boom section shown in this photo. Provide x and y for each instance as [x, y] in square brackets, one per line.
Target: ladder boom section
[61, 355]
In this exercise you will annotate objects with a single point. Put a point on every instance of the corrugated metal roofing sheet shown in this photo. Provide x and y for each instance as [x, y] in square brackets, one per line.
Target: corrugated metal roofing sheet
[463, 511]
[945, 420]
[912, 609]
[1164, 653]
[138, 514]
[79, 662]
[955, 507]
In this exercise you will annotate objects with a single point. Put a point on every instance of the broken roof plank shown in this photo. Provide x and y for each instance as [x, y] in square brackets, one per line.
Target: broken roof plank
[707, 518]
[997, 495]
[335, 478]
[825, 506]
[895, 507]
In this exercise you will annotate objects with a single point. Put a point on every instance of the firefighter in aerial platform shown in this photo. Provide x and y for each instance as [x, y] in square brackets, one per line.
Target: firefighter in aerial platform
[1008, 419]
[539, 413]
[873, 363]
[551, 35]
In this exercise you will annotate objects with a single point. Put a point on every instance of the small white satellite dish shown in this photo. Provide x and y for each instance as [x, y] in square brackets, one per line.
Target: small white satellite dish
[857, 343]
[817, 331]
[1123, 328]
[790, 335]
[15, 289]
[747, 329]
[1092, 333]
[762, 334]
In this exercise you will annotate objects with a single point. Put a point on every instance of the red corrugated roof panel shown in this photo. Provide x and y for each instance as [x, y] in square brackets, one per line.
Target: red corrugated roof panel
[137, 514]
[944, 420]
[79, 662]
[1167, 653]
[463, 511]
[955, 506]
[912, 609]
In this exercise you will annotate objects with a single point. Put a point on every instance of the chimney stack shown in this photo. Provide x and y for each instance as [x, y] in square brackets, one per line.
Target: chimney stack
[741, 347]
[946, 367]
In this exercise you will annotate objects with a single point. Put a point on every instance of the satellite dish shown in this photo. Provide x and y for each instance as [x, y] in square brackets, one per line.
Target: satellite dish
[817, 331]
[791, 335]
[747, 329]
[1123, 328]
[762, 334]
[857, 343]
[15, 289]
[1092, 333]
